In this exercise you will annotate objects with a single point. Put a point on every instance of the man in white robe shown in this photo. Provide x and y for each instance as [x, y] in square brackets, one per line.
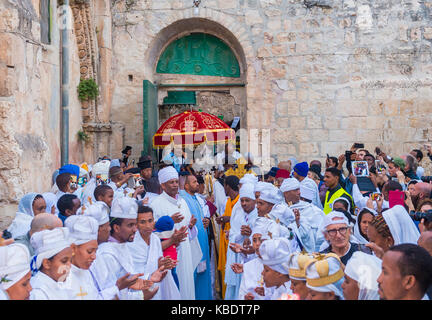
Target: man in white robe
[147, 256]
[114, 261]
[308, 218]
[169, 203]
[300, 173]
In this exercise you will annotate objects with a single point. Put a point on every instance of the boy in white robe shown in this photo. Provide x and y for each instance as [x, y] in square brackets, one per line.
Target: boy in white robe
[252, 272]
[15, 272]
[52, 263]
[273, 254]
[147, 255]
[297, 263]
[169, 203]
[114, 261]
[83, 232]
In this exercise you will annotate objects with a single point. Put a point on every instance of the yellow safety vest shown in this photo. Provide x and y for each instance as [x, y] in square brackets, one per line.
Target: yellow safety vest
[335, 195]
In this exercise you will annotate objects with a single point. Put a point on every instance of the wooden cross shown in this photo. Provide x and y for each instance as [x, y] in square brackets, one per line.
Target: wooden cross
[81, 294]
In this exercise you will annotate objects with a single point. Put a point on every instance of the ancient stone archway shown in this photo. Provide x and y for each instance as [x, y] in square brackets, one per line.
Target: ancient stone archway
[210, 62]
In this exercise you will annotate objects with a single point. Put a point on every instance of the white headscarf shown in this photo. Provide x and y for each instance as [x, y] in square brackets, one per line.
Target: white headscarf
[125, 208]
[271, 195]
[334, 265]
[47, 243]
[166, 174]
[51, 201]
[26, 204]
[247, 191]
[24, 216]
[82, 229]
[358, 238]
[260, 186]
[365, 269]
[401, 225]
[99, 211]
[290, 184]
[249, 178]
[14, 264]
[341, 199]
[307, 191]
[274, 253]
[334, 217]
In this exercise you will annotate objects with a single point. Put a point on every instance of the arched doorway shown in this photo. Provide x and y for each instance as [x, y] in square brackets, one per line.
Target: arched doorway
[199, 64]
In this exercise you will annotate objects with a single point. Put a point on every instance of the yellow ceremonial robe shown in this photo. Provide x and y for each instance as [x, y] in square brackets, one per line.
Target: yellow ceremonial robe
[223, 242]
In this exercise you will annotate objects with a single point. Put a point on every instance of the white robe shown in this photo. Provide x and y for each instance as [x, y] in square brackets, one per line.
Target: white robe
[311, 218]
[145, 259]
[220, 197]
[285, 288]
[238, 218]
[189, 252]
[251, 279]
[45, 288]
[81, 283]
[113, 260]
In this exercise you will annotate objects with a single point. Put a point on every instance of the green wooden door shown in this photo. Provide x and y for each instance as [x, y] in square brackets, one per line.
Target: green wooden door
[150, 118]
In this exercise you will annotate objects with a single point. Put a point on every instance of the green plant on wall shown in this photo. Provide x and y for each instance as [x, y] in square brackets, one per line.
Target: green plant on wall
[87, 89]
[82, 136]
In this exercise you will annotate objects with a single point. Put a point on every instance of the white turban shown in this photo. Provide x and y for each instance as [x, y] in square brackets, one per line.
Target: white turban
[297, 263]
[247, 191]
[271, 195]
[47, 243]
[335, 217]
[365, 269]
[249, 178]
[82, 229]
[258, 229]
[401, 225]
[325, 275]
[99, 211]
[290, 184]
[274, 253]
[167, 173]
[307, 191]
[14, 264]
[125, 208]
[260, 186]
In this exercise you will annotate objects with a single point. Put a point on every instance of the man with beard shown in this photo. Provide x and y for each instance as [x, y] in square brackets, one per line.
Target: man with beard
[189, 252]
[202, 272]
[421, 191]
[114, 260]
[307, 216]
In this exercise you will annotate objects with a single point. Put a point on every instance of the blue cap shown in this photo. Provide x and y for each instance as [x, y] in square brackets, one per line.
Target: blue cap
[70, 168]
[302, 169]
[164, 223]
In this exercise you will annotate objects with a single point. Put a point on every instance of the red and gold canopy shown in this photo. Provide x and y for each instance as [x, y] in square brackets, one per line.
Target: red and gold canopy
[193, 128]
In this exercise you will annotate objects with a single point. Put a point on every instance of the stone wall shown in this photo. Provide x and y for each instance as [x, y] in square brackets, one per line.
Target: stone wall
[319, 76]
[30, 104]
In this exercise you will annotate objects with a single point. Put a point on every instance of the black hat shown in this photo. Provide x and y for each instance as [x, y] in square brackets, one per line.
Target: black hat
[125, 150]
[315, 168]
[145, 162]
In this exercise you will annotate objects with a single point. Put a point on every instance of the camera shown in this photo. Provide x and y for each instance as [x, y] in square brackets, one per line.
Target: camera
[417, 216]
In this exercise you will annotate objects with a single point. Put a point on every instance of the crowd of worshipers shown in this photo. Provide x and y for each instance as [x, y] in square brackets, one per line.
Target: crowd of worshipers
[300, 231]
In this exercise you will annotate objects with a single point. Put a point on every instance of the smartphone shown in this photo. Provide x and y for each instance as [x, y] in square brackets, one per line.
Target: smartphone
[396, 197]
[328, 156]
[359, 145]
[375, 196]
[377, 150]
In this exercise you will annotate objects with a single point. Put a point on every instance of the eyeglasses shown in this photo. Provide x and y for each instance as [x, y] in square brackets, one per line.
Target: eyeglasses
[333, 232]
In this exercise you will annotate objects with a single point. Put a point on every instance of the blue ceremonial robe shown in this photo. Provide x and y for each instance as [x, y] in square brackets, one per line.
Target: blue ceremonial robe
[203, 290]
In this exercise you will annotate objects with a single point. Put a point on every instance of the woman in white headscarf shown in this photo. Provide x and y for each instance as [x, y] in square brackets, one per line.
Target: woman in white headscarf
[360, 228]
[29, 206]
[361, 274]
[394, 226]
